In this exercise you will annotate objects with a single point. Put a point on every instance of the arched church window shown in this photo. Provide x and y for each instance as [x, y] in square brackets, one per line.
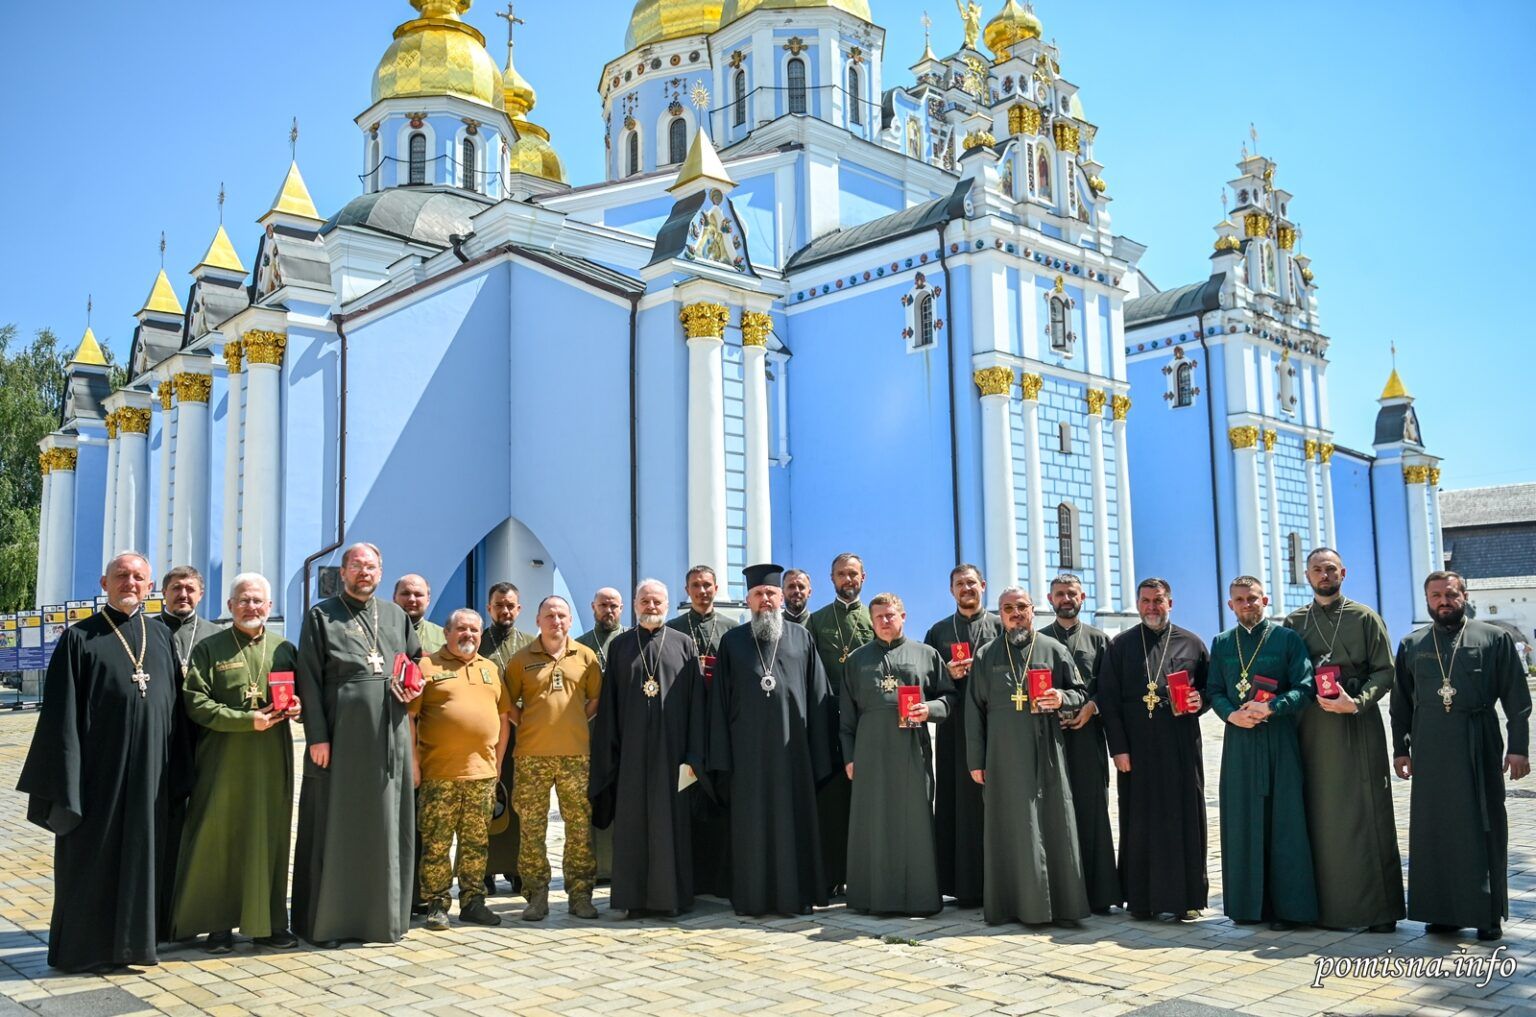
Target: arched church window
[1064, 438]
[1061, 338]
[468, 158]
[1043, 170]
[677, 140]
[924, 321]
[632, 154]
[1293, 555]
[1184, 385]
[1066, 535]
[795, 73]
[418, 161]
[855, 106]
[739, 114]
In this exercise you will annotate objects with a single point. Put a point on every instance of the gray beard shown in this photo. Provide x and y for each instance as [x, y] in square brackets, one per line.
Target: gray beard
[652, 621]
[767, 626]
[468, 648]
[1019, 637]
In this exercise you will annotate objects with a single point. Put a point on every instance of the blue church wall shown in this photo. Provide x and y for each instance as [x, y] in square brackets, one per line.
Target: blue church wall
[90, 513]
[1100, 306]
[1355, 524]
[755, 202]
[310, 472]
[1399, 599]
[1012, 284]
[864, 195]
[662, 441]
[967, 403]
[643, 217]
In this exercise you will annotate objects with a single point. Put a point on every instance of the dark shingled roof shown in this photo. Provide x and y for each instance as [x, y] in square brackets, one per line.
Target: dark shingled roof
[673, 235]
[1392, 425]
[428, 215]
[1488, 506]
[908, 221]
[84, 393]
[1184, 302]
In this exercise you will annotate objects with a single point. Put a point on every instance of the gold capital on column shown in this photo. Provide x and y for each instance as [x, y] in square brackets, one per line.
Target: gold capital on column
[233, 351]
[44, 462]
[1270, 437]
[994, 380]
[164, 392]
[1309, 452]
[1097, 397]
[704, 320]
[58, 459]
[1325, 452]
[191, 387]
[264, 347]
[1032, 384]
[133, 420]
[1415, 474]
[1434, 476]
[112, 425]
[756, 327]
[1246, 436]
[1120, 405]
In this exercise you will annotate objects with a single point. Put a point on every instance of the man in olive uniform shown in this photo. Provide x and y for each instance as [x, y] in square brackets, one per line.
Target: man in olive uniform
[500, 641]
[414, 597]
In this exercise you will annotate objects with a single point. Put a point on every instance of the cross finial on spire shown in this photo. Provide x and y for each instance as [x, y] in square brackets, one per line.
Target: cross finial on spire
[927, 24]
[221, 203]
[1253, 132]
[162, 249]
[1393, 345]
[88, 309]
[293, 141]
[1223, 202]
[510, 17]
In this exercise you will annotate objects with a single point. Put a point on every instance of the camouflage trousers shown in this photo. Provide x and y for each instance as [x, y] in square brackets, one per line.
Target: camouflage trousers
[446, 809]
[533, 777]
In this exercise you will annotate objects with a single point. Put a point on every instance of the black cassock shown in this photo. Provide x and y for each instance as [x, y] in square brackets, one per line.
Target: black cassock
[769, 745]
[641, 736]
[101, 772]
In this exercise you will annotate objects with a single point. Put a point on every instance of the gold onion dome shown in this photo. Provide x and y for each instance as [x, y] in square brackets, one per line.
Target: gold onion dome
[438, 54]
[531, 153]
[740, 8]
[1012, 26]
[659, 20]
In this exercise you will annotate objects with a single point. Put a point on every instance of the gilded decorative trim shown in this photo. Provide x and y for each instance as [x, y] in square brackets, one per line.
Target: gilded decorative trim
[1270, 437]
[1246, 436]
[704, 320]
[44, 464]
[234, 350]
[263, 347]
[1120, 405]
[1066, 136]
[994, 381]
[978, 139]
[1032, 384]
[1097, 397]
[1023, 119]
[133, 420]
[1228, 243]
[191, 387]
[1256, 224]
[1434, 476]
[1325, 452]
[756, 327]
[112, 425]
[1309, 449]
[58, 459]
[164, 393]
[1286, 236]
[1415, 474]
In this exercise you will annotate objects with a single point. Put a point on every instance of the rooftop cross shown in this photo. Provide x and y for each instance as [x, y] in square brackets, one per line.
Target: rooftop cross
[510, 17]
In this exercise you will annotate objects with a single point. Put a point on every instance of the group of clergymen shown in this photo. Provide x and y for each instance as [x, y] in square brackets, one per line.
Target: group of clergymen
[777, 762]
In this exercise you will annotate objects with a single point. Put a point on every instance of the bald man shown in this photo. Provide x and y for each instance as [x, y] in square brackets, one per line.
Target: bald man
[414, 597]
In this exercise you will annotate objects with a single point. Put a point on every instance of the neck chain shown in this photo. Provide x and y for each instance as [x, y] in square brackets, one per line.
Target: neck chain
[768, 682]
[954, 622]
[700, 633]
[1447, 692]
[185, 659]
[375, 656]
[253, 692]
[652, 687]
[1243, 667]
[140, 677]
[1327, 657]
[888, 681]
[1019, 681]
[1151, 698]
[837, 619]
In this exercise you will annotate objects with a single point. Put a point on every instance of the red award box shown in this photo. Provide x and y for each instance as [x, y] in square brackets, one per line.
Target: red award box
[1181, 693]
[280, 687]
[1039, 685]
[408, 674]
[959, 653]
[1328, 681]
[907, 697]
[1264, 689]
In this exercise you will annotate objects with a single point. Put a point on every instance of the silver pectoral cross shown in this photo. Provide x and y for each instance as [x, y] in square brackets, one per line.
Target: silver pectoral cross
[376, 661]
[1446, 694]
[141, 679]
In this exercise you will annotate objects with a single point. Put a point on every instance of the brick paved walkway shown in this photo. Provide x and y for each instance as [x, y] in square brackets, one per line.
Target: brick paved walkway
[713, 962]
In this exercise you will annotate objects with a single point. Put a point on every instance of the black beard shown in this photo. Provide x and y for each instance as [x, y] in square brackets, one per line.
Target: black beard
[1069, 610]
[1449, 618]
[794, 608]
[1324, 590]
[603, 626]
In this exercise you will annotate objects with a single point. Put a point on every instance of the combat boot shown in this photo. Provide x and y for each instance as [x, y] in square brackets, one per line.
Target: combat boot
[538, 906]
[581, 906]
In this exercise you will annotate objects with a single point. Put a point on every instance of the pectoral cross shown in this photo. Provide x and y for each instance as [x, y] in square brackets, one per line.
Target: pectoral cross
[1243, 686]
[1019, 699]
[888, 684]
[1151, 698]
[141, 679]
[1446, 694]
[376, 661]
[252, 695]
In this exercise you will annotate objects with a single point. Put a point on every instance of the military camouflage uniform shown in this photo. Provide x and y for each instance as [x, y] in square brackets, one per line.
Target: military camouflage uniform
[445, 809]
[530, 799]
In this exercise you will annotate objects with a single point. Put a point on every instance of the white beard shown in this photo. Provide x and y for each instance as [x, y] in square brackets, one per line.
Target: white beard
[767, 626]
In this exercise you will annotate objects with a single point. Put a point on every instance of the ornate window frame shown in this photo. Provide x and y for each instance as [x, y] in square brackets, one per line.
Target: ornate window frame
[923, 324]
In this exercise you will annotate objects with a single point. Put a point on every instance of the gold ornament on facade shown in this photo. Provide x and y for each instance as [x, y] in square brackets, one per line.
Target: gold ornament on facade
[1120, 405]
[977, 139]
[1325, 452]
[1309, 452]
[58, 459]
[164, 392]
[1256, 224]
[1013, 25]
[1023, 119]
[192, 387]
[795, 46]
[43, 462]
[1031, 384]
[1097, 397]
[1286, 237]
[1415, 474]
[133, 420]
[1307, 275]
[1434, 476]
[756, 327]
[1061, 284]
[263, 347]
[1228, 244]
[233, 351]
[994, 381]
[112, 425]
[1270, 437]
[1066, 136]
[1097, 184]
[1246, 436]
[704, 320]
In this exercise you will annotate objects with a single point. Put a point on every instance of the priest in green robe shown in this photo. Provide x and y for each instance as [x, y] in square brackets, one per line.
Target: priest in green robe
[234, 852]
[891, 864]
[1086, 748]
[1446, 738]
[1260, 681]
[414, 597]
[498, 644]
[607, 623]
[839, 628]
[353, 860]
[957, 799]
[1034, 867]
[1344, 756]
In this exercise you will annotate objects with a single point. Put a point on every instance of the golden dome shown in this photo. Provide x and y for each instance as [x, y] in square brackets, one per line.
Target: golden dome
[740, 8]
[532, 153]
[659, 20]
[518, 95]
[438, 54]
[1012, 26]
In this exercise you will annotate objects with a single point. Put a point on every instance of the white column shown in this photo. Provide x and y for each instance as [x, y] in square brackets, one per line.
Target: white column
[1035, 505]
[161, 550]
[1250, 547]
[59, 556]
[189, 511]
[1121, 407]
[1415, 479]
[109, 509]
[40, 591]
[131, 528]
[1436, 536]
[998, 509]
[1325, 458]
[1101, 579]
[230, 545]
[756, 326]
[1314, 528]
[704, 325]
[1278, 577]
[261, 502]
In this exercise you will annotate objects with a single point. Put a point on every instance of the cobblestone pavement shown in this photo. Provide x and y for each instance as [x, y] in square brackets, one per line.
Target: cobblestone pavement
[834, 961]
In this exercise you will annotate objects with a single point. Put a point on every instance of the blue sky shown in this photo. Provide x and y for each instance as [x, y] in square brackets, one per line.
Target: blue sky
[1404, 130]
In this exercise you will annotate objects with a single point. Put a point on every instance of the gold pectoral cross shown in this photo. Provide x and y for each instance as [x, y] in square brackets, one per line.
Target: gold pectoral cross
[888, 684]
[1243, 685]
[1019, 698]
[1151, 698]
[252, 695]
[1446, 694]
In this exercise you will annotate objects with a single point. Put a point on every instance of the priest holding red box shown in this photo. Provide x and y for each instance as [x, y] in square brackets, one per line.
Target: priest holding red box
[1018, 683]
[1260, 681]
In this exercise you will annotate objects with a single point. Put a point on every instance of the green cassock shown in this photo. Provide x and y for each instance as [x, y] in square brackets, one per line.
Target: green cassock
[1346, 770]
[839, 628]
[602, 839]
[1266, 858]
[431, 636]
[1034, 866]
[233, 871]
[1458, 833]
[892, 867]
